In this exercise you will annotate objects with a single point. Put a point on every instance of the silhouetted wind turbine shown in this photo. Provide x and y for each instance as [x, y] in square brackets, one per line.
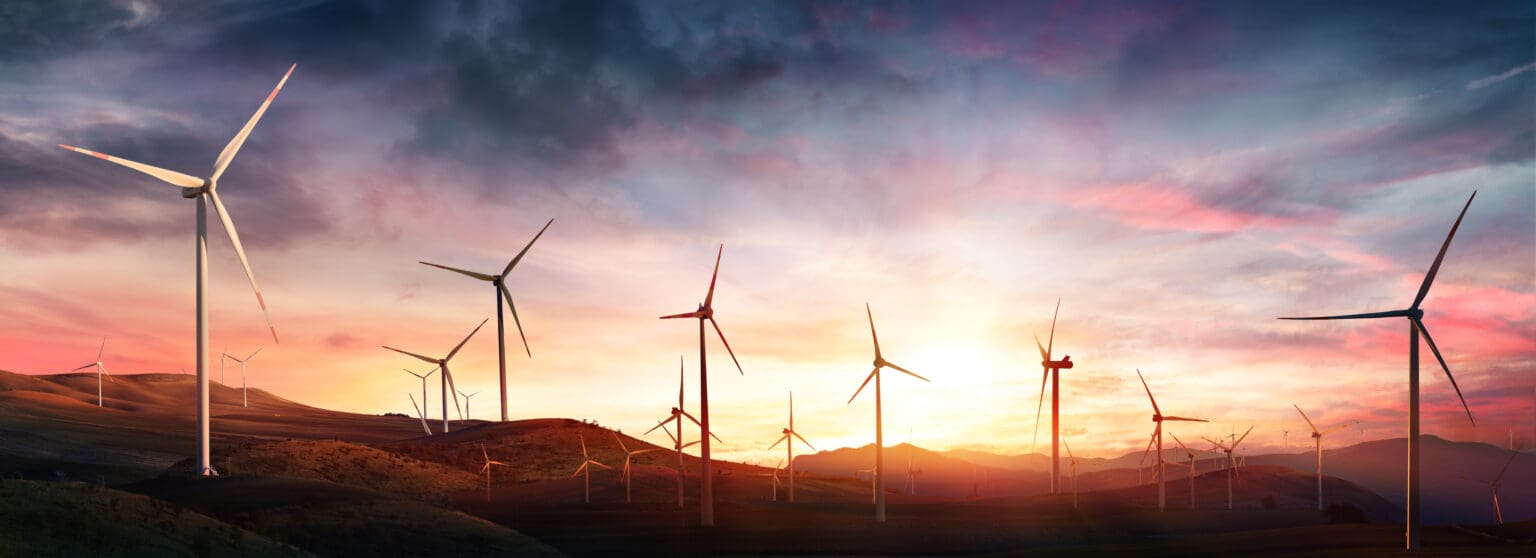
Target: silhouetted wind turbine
[1191, 454]
[1053, 372]
[442, 364]
[424, 407]
[487, 470]
[879, 363]
[1157, 417]
[705, 312]
[1498, 480]
[466, 397]
[1230, 464]
[1415, 317]
[1317, 438]
[1073, 461]
[498, 282]
[586, 467]
[205, 190]
[1152, 439]
[245, 400]
[100, 369]
[789, 445]
[627, 456]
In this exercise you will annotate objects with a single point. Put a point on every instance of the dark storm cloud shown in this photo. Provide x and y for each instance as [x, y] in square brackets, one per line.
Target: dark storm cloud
[41, 29]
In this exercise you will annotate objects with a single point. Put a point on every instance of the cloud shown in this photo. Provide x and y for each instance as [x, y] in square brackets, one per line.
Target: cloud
[1490, 80]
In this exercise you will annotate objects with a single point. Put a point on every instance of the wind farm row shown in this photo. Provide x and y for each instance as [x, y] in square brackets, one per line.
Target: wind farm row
[204, 191]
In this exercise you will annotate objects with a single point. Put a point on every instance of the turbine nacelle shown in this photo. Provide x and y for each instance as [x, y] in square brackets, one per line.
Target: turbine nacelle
[190, 193]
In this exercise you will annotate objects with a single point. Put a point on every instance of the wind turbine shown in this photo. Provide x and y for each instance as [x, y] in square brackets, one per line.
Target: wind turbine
[677, 441]
[205, 190]
[447, 378]
[1150, 440]
[466, 397]
[1415, 316]
[1231, 469]
[498, 282]
[1053, 372]
[1157, 417]
[245, 400]
[424, 409]
[879, 363]
[776, 483]
[912, 474]
[1073, 461]
[706, 312]
[1191, 454]
[487, 470]
[100, 369]
[421, 415]
[789, 445]
[1494, 484]
[627, 455]
[873, 491]
[1317, 438]
[586, 467]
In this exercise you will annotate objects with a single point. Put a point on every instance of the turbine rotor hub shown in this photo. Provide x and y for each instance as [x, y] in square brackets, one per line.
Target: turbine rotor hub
[1416, 313]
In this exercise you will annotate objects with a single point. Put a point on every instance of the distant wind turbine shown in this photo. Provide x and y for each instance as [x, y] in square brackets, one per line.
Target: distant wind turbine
[1162, 470]
[466, 397]
[100, 369]
[1191, 454]
[874, 374]
[1498, 480]
[789, 444]
[1415, 317]
[586, 467]
[1317, 438]
[677, 440]
[1073, 461]
[205, 191]
[1231, 465]
[245, 400]
[706, 312]
[498, 283]
[487, 470]
[424, 407]
[442, 364]
[1053, 370]
[628, 455]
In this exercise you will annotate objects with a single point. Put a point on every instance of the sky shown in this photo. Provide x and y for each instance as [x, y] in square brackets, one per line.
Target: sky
[1178, 174]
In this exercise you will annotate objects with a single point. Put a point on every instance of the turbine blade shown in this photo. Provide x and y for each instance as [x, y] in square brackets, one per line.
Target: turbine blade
[616, 438]
[1150, 440]
[1177, 441]
[1185, 419]
[1050, 346]
[253, 355]
[1367, 315]
[802, 440]
[234, 144]
[234, 239]
[710, 297]
[1241, 438]
[486, 455]
[428, 359]
[1432, 348]
[466, 340]
[1500, 476]
[871, 376]
[1435, 268]
[583, 467]
[102, 349]
[661, 424]
[872, 333]
[1304, 417]
[727, 345]
[779, 441]
[91, 365]
[1039, 404]
[1044, 354]
[1149, 392]
[601, 465]
[690, 417]
[1334, 429]
[679, 381]
[454, 391]
[508, 295]
[684, 315]
[480, 276]
[695, 442]
[170, 176]
[909, 372]
[1063, 444]
[519, 257]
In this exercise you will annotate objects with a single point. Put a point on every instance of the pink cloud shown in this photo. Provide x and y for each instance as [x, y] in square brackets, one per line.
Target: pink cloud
[1158, 206]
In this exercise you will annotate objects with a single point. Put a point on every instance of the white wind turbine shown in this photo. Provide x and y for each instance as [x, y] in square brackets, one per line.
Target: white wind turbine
[466, 397]
[1498, 480]
[421, 415]
[586, 467]
[499, 284]
[628, 455]
[1231, 468]
[424, 404]
[205, 191]
[874, 374]
[245, 400]
[442, 364]
[1191, 454]
[1162, 469]
[1415, 316]
[706, 312]
[677, 440]
[789, 444]
[1317, 438]
[487, 470]
[777, 484]
[100, 369]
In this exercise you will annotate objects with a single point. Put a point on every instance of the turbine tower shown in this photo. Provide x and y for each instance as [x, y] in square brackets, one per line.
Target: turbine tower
[1053, 372]
[1231, 465]
[1317, 438]
[100, 369]
[880, 362]
[447, 378]
[245, 400]
[1157, 433]
[1415, 316]
[206, 192]
[498, 283]
[789, 445]
[706, 312]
